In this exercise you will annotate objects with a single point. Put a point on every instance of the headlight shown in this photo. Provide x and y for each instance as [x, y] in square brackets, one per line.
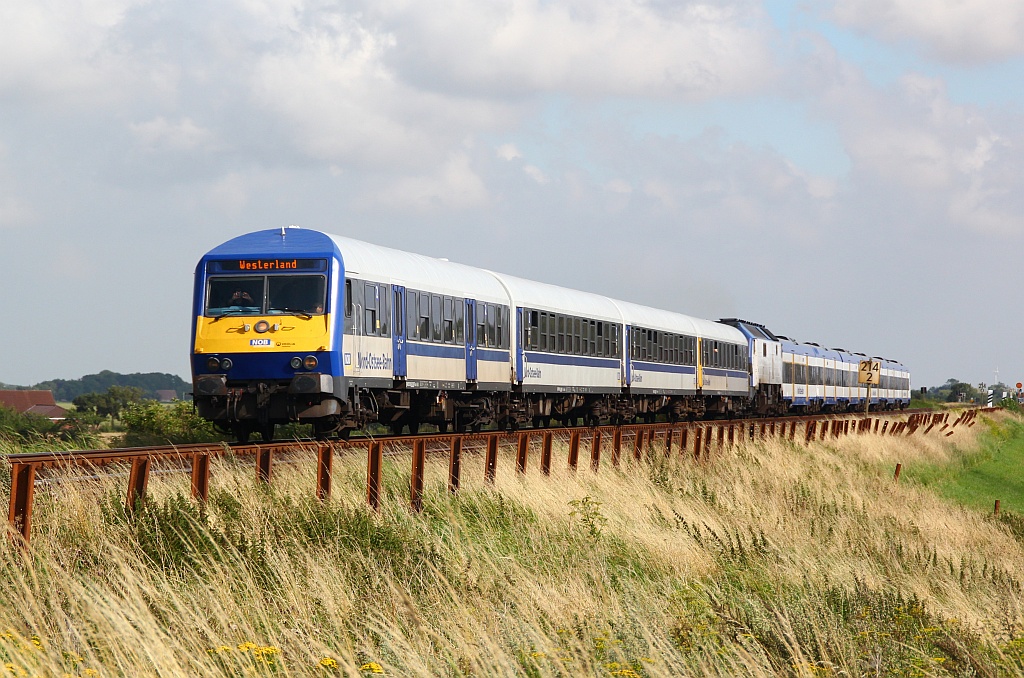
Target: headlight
[213, 363]
[310, 362]
[226, 364]
[296, 363]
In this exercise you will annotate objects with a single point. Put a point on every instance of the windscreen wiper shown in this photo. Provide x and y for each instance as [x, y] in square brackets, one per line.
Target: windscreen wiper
[233, 311]
[294, 311]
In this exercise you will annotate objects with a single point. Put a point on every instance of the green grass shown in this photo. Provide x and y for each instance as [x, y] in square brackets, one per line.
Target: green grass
[978, 477]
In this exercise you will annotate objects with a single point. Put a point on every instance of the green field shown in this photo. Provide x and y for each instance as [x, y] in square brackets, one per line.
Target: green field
[977, 476]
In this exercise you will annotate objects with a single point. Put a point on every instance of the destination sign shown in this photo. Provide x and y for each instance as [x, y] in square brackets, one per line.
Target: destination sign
[268, 265]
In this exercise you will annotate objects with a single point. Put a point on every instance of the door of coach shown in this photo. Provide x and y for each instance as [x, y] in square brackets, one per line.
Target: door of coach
[398, 324]
[471, 373]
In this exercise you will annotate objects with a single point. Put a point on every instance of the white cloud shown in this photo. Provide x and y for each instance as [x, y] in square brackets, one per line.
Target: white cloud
[161, 134]
[954, 30]
[62, 50]
[508, 152]
[688, 50]
[453, 186]
[15, 212]
[230, 194]
[535, 173]
[910, 145]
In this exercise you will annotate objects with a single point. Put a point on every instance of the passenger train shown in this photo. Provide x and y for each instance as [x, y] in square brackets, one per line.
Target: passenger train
[294, 325]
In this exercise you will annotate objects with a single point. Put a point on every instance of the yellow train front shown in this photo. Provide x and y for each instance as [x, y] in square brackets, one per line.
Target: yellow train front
[267, 333]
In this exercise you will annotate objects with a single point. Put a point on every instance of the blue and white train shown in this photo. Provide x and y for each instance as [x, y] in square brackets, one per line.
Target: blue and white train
[293, 325]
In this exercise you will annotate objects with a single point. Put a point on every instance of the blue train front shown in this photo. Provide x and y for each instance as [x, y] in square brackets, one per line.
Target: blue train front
[266, 333]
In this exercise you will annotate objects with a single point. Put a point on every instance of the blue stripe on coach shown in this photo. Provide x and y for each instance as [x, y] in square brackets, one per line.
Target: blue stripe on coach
[533, 357]
[661, 367]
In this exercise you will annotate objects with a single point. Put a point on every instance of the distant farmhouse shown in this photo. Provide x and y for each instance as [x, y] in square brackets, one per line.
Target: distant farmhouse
[33, 402]
[165, 395]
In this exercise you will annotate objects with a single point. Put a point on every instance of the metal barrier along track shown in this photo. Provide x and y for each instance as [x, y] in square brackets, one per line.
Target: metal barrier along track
[698, 438]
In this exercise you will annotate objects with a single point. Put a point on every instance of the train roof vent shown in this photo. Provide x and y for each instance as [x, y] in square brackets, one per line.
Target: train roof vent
[811, 343]
[842, 350]
[783, 336]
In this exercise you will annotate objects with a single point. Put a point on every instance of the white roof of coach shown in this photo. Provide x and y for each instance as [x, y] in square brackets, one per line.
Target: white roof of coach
[545, 297]
[417, 271]
[656, 319]
[709, 329]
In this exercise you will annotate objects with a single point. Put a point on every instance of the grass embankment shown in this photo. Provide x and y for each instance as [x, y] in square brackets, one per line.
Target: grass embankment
[771, 559]
[978, 475]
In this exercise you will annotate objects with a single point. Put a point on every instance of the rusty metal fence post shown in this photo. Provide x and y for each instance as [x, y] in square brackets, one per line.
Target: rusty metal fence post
[545, 454]
[200, 476]
[138, 479]
[455, 465]
[491, 468]
[324, 466]
[419, 456]
[23, 481]
[524, 448]
[595, 451]
[264, 460]
[574, 450]
[374, 462]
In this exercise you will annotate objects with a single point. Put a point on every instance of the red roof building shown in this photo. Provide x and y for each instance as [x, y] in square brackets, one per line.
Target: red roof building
[33, 402]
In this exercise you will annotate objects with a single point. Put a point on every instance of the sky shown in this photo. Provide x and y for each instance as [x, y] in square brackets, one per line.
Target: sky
[845, 172]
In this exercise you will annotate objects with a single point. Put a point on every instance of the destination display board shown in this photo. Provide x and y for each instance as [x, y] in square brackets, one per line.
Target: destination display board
[267, 265]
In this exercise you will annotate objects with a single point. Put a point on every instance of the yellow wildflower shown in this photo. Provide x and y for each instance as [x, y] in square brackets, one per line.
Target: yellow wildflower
[329, 663]
[372, 667]
[626, 673]
[246, 646]
[267, 652]
[90, 672]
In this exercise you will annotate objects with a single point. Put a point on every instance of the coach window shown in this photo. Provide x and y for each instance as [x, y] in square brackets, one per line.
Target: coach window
[489, 339]
[412, 329]
[370, 326]
[349, 319]
[399, 314]
[424, 317]
[448, 320]
[435, 318]
[384, 309]
[542, 331]
[460, 321]
[481, 325]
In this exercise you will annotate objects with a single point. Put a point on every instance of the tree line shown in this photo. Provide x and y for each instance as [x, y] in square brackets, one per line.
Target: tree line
[147, 383]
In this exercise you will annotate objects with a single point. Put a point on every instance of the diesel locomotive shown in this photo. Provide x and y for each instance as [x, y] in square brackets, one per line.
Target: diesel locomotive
[295, 325]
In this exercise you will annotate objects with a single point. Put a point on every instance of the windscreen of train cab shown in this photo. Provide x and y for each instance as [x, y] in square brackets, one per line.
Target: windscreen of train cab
[272, 294]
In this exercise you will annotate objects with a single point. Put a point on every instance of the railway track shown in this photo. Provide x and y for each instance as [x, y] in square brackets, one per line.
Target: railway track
[699, 438]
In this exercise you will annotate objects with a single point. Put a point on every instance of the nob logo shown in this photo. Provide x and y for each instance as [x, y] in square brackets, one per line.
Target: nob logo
[261, 342]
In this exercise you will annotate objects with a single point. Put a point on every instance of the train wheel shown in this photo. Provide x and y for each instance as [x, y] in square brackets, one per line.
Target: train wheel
[267, 432]
[442, 427]
[242, 432]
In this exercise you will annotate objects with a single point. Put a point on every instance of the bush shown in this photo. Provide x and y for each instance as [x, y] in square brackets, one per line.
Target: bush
[150, 423]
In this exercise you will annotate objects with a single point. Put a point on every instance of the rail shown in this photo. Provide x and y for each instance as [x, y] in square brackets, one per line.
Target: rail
[698, 438]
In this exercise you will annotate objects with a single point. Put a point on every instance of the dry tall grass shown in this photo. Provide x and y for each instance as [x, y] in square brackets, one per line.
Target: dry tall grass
[770, 558]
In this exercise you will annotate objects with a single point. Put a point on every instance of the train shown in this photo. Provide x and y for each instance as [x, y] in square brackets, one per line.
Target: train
[297, 325]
